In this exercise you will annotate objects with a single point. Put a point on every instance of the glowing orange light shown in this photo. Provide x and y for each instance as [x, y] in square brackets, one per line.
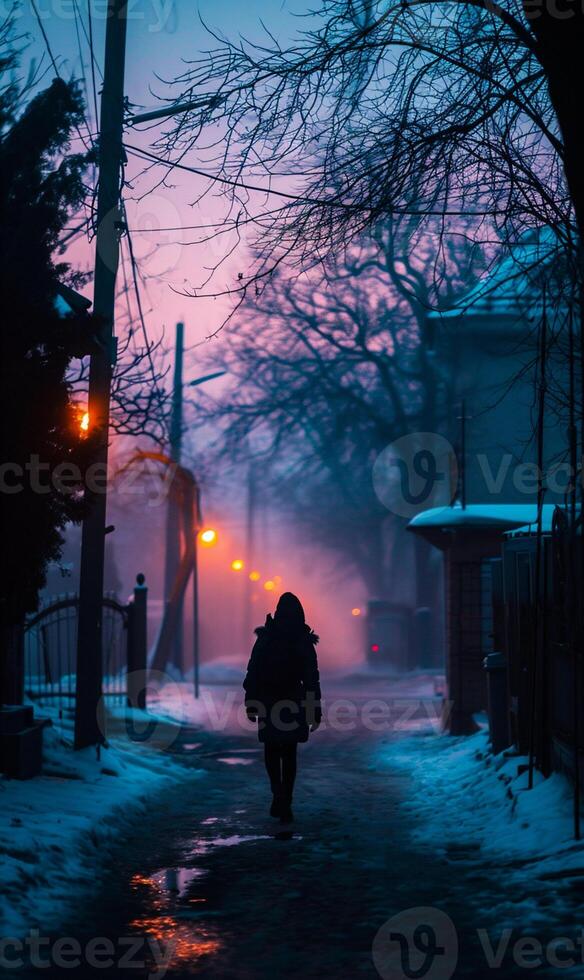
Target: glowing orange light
[84, 423]
[237, 565]
[269, 586]
[208, 537]
[356, 611]
[277, 579]
[255, 576]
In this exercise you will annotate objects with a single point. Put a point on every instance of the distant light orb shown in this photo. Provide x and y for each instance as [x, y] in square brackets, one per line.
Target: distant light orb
[375, 648]
[208, 537]
[269, 586]
[84, 423]
[356, 611]
[278, 579]
[255, 576]
[237, 565]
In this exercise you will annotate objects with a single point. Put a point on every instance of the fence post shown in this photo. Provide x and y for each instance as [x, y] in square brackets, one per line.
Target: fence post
[138, 644]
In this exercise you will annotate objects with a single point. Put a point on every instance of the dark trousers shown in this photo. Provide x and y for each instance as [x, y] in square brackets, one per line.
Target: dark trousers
[280, 759]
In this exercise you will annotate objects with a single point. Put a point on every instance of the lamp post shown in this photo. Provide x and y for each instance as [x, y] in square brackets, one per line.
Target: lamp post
[173, 535]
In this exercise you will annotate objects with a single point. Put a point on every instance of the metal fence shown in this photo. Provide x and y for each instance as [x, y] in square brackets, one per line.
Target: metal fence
[50, 649]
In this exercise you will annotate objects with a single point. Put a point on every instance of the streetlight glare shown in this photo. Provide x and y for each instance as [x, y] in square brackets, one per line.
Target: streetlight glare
[208, 537]
[269, 586]
[237, 565]
[84, 423]
[255, 576]
[356, 611]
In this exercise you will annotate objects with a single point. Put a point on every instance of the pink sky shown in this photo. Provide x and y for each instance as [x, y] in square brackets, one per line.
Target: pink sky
[161, 35]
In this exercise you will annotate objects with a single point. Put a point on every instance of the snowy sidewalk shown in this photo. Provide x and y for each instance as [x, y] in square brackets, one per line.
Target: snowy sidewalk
[56, 829]
[473, 806]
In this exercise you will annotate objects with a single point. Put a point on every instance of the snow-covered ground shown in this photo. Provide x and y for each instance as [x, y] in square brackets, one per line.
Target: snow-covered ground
[467, 800]
[55, 829]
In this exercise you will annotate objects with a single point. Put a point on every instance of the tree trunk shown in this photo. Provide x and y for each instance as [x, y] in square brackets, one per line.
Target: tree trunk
[559, 30]
[12, 664]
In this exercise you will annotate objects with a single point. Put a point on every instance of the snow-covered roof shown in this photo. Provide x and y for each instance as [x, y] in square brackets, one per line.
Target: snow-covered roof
[547, 518]
[497, 516]
[510, 288]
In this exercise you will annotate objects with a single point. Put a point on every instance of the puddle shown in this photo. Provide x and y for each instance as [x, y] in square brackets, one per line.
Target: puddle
[168, 904]
[175, 881]
[234, 760]
[205, 845]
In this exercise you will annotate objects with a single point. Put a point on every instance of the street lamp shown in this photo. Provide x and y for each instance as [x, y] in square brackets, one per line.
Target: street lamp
[237, 565]
[208, 537]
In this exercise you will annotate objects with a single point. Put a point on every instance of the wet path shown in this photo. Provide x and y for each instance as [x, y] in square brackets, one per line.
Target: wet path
[234, 894]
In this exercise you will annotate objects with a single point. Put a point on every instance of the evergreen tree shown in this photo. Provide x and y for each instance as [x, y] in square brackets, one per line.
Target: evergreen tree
[41, 187]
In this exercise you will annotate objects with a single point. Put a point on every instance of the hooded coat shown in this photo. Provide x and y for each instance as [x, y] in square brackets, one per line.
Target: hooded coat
[282, 683]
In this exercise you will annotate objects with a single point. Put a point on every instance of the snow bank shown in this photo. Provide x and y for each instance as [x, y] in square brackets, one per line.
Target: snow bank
[465, 798]
[55, 829]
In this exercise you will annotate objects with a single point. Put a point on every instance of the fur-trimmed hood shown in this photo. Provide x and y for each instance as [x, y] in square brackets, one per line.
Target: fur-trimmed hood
[270, 625]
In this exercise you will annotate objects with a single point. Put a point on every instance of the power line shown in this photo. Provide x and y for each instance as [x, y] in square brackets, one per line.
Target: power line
[45, 38]
[142, 319]
[54, 63]
[299, 198]
[83, 75]
[93, 62]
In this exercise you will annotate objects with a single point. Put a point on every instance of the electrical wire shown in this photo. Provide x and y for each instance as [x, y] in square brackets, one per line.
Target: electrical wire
[299, 198]
[141, 317]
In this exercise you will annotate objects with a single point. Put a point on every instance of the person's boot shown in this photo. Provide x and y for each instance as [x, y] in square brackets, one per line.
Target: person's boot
[286, 815]
[276, 807]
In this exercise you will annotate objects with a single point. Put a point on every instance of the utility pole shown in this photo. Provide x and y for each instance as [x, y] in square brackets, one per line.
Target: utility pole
[89, 641]
[250, 522]
[196, 622]
[173, 512]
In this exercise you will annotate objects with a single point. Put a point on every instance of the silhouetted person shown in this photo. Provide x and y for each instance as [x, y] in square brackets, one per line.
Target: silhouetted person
[282, 693]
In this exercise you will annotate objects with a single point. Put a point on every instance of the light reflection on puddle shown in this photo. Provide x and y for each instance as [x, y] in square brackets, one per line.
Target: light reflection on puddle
[204, 845]
[175, 915]
[182, 941]
[234, 760]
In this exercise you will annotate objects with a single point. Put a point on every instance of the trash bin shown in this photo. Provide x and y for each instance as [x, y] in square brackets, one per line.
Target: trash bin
[495, 665]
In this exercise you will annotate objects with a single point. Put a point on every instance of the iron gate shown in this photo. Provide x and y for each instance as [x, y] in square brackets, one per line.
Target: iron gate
[50, 649]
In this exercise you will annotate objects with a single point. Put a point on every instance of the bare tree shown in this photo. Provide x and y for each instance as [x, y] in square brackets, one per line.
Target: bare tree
[386, 108]
[327, 371]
